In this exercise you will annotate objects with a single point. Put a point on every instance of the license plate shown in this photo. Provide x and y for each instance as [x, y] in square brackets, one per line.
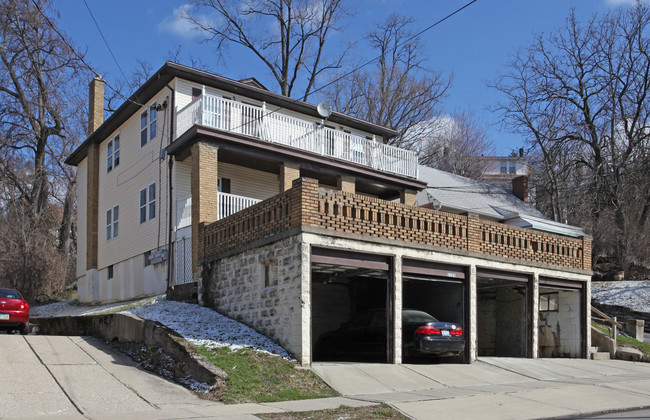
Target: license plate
[4, 316]
[445, 333]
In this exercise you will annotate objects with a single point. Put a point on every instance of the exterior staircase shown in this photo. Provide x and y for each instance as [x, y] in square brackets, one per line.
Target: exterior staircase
[599, 354]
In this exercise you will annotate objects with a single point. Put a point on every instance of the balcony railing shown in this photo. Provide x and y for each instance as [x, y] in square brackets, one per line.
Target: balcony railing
[277, 127]
[230, 204]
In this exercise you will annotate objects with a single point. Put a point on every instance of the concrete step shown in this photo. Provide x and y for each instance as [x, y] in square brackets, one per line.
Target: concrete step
[600, 355]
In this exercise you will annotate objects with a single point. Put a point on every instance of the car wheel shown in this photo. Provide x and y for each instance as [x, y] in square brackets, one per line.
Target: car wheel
[24, 329]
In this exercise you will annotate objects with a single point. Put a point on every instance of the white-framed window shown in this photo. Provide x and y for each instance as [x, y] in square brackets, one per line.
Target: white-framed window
[148, 203]
[112, 222]
[113, 153]
[148, 120]
[508, 167]
[549, 302]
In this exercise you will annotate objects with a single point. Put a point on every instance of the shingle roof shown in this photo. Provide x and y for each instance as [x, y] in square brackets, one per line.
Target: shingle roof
[458, 194]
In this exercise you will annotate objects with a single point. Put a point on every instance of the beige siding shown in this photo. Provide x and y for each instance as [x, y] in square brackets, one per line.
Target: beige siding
[82, 187]
[183, 185]
[249, 182]
[139, 167]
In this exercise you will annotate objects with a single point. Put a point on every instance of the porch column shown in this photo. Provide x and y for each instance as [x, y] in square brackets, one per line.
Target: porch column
[408, 197]
[204, 195]
[473, 315]
[288, 173]
[346, 183]
[535, 321]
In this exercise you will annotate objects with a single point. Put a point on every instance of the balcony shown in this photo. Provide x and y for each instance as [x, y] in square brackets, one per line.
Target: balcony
[274, 126]
[304, 205]
[227, 205]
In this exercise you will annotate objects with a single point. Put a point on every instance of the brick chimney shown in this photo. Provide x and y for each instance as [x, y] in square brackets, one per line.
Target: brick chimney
[95, 104]
[520, 187]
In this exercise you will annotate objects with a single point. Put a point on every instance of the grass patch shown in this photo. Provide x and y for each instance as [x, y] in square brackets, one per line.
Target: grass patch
[258, 377]
[375, 412]
[624, 341]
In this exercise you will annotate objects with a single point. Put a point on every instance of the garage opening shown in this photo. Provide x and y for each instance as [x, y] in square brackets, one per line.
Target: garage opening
[351, 318]
[438, 290]
[503, 307]
[561, 318]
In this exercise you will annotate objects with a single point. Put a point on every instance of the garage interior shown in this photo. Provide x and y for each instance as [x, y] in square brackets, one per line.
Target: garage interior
[442, 298]
[351, 311]
[561, 319]
[503, 324]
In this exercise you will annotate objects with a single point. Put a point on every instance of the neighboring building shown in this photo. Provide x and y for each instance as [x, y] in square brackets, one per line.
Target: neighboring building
[294, 222]
[510, 172]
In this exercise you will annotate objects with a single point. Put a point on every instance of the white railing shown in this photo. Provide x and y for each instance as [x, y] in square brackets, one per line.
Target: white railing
[229, 204]
[277, 127]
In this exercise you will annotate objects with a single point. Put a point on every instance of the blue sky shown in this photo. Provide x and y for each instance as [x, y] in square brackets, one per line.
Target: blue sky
[474, 45]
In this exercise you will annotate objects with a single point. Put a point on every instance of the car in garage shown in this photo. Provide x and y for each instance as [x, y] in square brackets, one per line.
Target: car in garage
[364, 337]
[14, 311]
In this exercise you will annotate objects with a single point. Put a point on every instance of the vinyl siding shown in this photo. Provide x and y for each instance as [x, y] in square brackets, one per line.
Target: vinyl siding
[249, 182]
[139, 167]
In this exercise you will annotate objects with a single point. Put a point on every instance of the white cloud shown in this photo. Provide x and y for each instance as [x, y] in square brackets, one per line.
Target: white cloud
[178, 24]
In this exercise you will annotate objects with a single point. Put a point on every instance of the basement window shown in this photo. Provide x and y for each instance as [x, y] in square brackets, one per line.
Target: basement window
[271, 273]
[110, 271]
[549, 302]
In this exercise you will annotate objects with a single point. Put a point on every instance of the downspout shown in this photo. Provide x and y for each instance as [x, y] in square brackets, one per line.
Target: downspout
[170, 184]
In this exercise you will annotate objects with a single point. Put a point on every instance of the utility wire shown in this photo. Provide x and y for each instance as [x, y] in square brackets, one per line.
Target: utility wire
[106, 42]
[79, 56]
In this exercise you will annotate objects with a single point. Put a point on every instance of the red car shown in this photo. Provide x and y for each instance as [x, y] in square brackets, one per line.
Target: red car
[14, 311]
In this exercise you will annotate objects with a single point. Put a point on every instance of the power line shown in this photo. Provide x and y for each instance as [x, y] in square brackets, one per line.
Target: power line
[79, 56]
[105, 41]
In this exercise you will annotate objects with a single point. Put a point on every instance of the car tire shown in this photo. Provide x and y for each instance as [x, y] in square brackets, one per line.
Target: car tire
[24, 329]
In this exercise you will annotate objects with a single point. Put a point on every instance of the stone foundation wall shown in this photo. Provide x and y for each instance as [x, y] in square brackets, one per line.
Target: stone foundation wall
[237, 287]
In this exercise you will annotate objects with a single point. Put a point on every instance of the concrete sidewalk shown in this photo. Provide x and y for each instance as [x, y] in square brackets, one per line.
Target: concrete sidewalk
[81, 377]
[497, 388]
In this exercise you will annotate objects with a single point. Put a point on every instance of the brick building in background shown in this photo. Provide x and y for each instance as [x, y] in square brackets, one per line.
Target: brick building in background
[295, 220]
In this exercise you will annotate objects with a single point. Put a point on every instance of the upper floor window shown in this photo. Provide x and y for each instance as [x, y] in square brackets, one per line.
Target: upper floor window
[113, 153]
[148, 203]
[148, 121]
[508, 167]
[112, 222]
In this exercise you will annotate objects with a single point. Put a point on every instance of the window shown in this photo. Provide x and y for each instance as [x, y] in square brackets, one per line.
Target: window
[508, 167]
[148, 124]
[147, 258]
[112, 222]
[223, 185]
[271, 273]
[113, 153]
[110, 271]
[548, 302]
[148, 203]
[153, 117]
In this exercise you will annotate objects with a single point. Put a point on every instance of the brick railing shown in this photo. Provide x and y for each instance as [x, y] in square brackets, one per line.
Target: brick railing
[304, 205]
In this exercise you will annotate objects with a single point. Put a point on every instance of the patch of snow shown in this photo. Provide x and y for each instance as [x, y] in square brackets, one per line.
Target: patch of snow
[199, 325]
[634, 295]
[202, 326]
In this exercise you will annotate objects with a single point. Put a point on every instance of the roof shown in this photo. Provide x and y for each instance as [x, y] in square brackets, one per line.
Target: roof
[458, 194]
[171, 70]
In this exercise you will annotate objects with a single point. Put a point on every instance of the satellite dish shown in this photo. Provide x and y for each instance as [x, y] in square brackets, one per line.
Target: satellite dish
[324, 110]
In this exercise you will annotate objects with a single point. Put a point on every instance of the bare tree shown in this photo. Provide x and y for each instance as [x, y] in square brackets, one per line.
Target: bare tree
[39, 126]
[580, 96]
[288, 36]
[453, 144]
[400, 92]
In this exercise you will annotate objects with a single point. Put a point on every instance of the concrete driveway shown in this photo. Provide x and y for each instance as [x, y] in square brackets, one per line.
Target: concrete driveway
[496, 388]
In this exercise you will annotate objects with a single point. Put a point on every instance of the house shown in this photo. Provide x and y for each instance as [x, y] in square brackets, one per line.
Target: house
[510, 172]
[294, 220]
